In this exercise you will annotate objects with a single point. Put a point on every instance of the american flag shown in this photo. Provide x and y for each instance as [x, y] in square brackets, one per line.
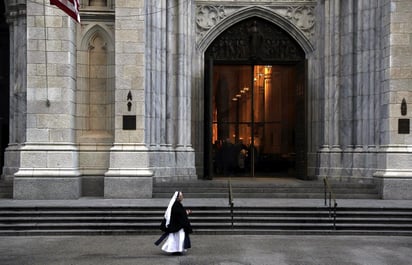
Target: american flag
[70, 7]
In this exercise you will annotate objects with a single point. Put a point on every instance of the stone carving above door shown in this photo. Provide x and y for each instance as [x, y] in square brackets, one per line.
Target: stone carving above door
[300, 13]
[255, 40]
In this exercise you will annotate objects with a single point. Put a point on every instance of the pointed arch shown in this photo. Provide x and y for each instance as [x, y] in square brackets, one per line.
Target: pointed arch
[95, 89]
[256, 11]
[91, 30]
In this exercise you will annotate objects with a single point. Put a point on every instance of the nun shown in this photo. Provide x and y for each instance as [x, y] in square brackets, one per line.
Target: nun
[176, 227]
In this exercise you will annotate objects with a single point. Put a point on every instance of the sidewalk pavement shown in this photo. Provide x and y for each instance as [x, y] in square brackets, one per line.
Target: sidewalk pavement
[207, 250]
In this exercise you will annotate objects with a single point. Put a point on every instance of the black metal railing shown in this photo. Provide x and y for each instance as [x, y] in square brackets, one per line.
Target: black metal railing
[329, 196]
[231, 204]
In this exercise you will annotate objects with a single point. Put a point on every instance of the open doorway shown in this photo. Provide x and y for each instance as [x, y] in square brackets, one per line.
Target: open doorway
[253, 120]
[255, 114]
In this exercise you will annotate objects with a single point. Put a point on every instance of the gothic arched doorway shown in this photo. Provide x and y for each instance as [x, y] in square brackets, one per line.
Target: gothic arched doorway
[255, 102]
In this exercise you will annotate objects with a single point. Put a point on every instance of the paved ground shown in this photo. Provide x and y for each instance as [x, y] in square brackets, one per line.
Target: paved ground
[207, 250]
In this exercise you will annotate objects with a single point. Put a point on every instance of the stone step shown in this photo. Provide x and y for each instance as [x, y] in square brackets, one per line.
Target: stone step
[208, 220]
[202, 184]
[273, 188]
[306, 195]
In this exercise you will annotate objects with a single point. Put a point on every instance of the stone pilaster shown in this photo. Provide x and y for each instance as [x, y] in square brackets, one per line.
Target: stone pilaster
[129, 175]
[395, 154]
[16, 18]
[169, 48]
[349, 78]
[48, 159]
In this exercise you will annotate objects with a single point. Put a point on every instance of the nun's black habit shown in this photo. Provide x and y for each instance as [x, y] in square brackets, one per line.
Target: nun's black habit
[177, 228]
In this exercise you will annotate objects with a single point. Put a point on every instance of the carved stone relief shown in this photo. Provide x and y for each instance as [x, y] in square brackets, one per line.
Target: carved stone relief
[207, 17]
[255, 39]
[299, 13]
[303, 17]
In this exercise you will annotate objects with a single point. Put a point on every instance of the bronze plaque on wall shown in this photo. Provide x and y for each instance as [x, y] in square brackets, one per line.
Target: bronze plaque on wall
[403, 126]
[129, 122]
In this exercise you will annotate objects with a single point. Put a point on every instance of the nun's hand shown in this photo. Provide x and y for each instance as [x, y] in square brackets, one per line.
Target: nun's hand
[188, 212]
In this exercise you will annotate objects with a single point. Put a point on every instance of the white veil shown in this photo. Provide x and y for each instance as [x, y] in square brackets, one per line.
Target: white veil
[169, 208]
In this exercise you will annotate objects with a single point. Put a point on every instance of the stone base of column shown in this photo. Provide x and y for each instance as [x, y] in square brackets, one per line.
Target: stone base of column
[128, 184]
[395, 179]
[394, 185]
[11, 162]
[47, 172]
[46, 188]
[173, 164]
[128, 176]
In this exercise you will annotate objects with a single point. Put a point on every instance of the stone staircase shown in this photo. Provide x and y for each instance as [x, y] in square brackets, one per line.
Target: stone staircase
[248, 188]
[118, 220]
[266, 188]
[257, 217]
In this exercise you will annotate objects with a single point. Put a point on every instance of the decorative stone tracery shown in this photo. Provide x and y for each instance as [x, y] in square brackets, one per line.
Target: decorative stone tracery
[255, 39]
[302, 15]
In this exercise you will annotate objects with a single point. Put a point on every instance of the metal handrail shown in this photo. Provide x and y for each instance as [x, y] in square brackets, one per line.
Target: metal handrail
[329, 191]
[231, 200]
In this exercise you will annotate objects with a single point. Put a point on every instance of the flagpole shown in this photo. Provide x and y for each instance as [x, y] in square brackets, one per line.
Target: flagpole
[45, 54]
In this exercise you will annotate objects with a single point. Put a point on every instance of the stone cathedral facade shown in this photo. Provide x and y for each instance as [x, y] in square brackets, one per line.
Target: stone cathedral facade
[146, 91]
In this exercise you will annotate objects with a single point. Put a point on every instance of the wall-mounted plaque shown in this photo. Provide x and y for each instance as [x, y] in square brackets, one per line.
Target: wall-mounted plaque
[129, 122]
[403, 126]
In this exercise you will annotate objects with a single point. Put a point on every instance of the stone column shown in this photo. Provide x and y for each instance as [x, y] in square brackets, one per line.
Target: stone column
[49, 163]
[330, 58]
[168, 89]
[129, 175]
[352, 62]
[395, 152]
[16, 18]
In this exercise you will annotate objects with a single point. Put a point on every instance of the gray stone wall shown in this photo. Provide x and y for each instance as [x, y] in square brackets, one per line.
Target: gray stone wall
[49, 153]
[359, 66]
[395, 157]
[129, 175]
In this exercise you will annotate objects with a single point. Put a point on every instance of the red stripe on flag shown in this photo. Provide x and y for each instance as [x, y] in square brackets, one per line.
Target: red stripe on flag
[70, 7]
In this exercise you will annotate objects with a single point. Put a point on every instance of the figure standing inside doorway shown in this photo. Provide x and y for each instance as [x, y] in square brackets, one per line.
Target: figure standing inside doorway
[255, 40]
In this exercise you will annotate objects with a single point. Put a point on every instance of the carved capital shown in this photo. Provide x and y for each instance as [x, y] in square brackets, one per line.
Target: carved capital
[14, 11]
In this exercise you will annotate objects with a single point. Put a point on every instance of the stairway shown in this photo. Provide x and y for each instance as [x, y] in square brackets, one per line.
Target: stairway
[265, 188]
[118, 220]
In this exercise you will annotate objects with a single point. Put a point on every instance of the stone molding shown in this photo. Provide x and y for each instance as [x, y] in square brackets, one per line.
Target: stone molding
[14, 10]
[301, 14]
